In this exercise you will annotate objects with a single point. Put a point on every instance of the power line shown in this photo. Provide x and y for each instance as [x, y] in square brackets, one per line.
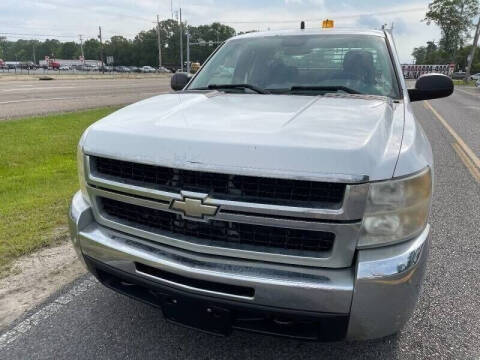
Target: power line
[263, 21]
[39, 35]
[64, 36]
[389, 12]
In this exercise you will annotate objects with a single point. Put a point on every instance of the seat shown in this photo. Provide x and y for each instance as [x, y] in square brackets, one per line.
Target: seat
[358, 65]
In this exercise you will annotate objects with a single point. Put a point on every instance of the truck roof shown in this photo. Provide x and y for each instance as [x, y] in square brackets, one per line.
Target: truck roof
[313, 31]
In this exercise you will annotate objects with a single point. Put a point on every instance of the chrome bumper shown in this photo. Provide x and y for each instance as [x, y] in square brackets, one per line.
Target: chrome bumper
[379, 293]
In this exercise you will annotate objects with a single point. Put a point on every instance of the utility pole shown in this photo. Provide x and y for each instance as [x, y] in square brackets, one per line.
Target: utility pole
[101, 48]
[181, 41]
[472, 53]
[159, 43]
[81, 49]
[188, 52]
[34, 58]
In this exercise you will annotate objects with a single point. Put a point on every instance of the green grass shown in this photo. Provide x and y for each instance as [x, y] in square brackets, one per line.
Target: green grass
[462, 83]
[38, 177]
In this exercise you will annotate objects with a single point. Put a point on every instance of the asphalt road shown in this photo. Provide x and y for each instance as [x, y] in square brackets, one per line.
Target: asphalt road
[88, 321]
[36, 97]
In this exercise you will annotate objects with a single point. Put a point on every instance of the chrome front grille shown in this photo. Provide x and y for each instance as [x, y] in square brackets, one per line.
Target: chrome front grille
[224, 186]
[144, 204]
[222, 233]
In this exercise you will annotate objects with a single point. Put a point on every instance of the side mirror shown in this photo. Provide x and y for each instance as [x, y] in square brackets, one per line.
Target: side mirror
[179, 81]
[431, 86]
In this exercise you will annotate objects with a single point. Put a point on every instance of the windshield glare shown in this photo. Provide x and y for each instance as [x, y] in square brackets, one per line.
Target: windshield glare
[280, 63]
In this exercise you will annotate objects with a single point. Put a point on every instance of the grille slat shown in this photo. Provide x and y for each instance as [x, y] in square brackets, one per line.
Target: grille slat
[220, 232]
[223, 186]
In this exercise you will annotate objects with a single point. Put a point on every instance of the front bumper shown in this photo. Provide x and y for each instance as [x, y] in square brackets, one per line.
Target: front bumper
[373, 299]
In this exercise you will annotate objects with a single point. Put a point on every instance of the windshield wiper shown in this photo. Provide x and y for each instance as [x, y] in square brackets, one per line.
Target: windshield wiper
[234, 86]
[325, 89]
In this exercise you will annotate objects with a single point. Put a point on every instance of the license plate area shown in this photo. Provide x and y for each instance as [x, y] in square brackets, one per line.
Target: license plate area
[197, 314]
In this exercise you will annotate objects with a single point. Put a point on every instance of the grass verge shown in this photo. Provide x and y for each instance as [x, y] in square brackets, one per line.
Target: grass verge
[462, 83]
[37, 179]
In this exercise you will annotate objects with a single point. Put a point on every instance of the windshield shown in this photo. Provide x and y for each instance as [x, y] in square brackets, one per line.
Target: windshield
[303, 63]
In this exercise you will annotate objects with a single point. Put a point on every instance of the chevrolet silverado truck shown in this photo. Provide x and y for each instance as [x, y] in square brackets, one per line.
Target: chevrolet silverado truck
[283, 189]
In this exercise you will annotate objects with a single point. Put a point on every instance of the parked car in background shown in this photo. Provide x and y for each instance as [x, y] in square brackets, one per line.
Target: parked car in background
[122, 69]
[478, 83]
[107, 68]
[64, 68]
[148, 69]
[134, 68]
[163, 69]
[28, 65]
[12, 65]
[88, 67]
[117, 69]
[475, 76]
[459, 75]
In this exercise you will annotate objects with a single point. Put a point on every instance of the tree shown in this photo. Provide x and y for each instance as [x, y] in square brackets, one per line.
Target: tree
[145, 48]
[121, 49]
[419, 54]
[50, 47]
[431, 53]
[215, 32]
[69, 50]
[142, 50]
[91, 49]
[454, 17]
[3, 42]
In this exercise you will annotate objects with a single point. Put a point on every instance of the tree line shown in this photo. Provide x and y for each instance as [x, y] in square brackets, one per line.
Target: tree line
[455, 18]
[139, 51]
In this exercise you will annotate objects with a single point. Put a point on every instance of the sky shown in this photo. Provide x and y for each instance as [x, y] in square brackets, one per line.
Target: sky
[66, 19]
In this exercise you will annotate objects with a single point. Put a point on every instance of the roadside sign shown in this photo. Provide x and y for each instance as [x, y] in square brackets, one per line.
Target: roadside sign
[327, 24]
[109, 60]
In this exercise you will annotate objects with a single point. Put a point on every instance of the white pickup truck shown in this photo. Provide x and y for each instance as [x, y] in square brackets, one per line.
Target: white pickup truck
[284, 189]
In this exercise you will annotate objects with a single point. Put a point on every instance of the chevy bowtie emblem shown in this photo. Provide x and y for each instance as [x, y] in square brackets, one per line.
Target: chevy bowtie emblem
[194, 208]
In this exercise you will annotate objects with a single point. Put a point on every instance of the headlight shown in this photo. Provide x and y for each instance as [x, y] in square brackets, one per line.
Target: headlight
[396, 210]
[81, 168]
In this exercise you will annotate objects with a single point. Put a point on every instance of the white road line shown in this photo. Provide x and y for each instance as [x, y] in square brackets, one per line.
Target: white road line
[32, 100]
[468, 151]
[81, 97]
[45, 312]
[39, 88]
[468, 92]
[118, 86]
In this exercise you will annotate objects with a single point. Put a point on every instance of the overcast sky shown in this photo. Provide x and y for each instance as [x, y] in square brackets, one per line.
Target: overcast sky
[65, 19]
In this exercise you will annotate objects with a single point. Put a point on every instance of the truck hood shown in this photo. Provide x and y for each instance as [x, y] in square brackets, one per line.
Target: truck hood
[345, 138]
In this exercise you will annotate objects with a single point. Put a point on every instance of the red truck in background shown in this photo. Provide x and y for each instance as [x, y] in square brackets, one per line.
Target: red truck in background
[51, 64]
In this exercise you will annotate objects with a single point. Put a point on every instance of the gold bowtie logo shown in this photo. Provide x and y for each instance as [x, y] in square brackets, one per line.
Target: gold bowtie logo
[194, 208]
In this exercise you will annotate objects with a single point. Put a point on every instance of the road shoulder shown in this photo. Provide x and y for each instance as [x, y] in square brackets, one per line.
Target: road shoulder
[33, 278]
